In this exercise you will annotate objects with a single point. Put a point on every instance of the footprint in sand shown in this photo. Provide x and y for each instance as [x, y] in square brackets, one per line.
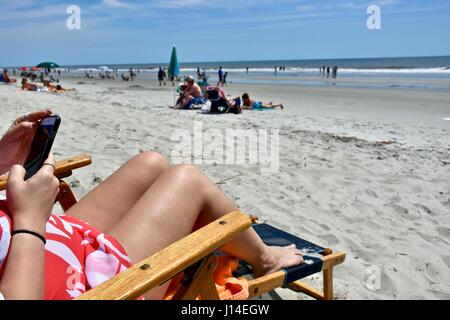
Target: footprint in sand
[444, 232]
[410, 215]
[112, 146]
[426, 210]
[446, 260]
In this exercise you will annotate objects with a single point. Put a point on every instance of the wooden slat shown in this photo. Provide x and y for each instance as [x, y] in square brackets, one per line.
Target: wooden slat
[63, 168]
[333, 260]
[328, 284]
[72, 164]
[65, 197]
[302, 287]
[3, 180]
[268, 283]
[262, 285]
[169, 262]
[202, 283]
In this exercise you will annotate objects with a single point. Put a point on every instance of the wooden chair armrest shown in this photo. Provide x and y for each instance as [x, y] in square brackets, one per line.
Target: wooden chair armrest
[169, 262]
[63, 168]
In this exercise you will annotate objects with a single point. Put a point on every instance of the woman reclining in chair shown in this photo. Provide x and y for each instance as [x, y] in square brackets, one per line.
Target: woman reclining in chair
[139, 210]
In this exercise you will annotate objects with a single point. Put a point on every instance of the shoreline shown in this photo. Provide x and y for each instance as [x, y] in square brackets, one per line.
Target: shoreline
[383, 204]
[372, 82]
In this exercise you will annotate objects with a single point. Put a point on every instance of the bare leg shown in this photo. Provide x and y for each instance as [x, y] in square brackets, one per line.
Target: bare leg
[106, 205]
[181, 200]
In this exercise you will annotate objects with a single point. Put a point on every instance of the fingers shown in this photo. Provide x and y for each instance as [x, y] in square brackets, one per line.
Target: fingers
[25, 127]
[16, 175]
[32, 117]
[49, 166]
[38, 115]
[51, 159]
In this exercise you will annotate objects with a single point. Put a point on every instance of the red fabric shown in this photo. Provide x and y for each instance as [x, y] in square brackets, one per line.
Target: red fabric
[78, 257]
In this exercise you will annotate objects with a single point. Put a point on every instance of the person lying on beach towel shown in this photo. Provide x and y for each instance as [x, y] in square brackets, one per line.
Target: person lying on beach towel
[138, 211]
[191, 95]
[5, 77]
[26, 86]
[250, 104]
[58, 89]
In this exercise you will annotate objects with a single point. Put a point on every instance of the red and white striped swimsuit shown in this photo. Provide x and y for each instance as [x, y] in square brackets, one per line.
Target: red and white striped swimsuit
[78, 257]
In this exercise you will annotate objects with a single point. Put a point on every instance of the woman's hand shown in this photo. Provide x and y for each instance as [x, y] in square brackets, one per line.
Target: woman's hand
[16, 143]
[31, 202]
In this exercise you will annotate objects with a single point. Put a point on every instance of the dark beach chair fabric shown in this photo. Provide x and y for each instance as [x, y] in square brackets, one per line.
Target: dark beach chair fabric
[218, 103]
[275, 237]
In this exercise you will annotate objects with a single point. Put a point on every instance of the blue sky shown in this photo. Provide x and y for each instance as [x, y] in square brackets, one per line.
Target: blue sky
[130, 31]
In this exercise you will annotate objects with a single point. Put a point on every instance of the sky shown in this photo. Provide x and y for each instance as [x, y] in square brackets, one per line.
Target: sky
[130, 31]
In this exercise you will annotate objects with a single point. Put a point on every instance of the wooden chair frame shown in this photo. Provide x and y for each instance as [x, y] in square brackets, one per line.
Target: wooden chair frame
[193, 255]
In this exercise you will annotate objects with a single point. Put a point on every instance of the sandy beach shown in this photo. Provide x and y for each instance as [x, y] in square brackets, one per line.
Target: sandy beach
[365, 171]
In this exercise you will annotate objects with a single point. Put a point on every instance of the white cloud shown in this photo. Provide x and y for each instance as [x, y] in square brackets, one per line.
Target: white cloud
[116, 4]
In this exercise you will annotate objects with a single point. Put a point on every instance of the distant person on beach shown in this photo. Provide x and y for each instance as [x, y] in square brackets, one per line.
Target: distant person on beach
[192, 94]
[26, 86]
[161, 77]
[328, 72]
[276, 70]
[125, 78]
[89, 74]
[324, 70]
[225, 76]
[251, 104]
[57, 88]
[6, 78]
[335, 72]
[220, 74]
[132, 74]
[246, 69]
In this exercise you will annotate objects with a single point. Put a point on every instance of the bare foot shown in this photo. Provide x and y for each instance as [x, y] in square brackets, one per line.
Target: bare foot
[278, 258]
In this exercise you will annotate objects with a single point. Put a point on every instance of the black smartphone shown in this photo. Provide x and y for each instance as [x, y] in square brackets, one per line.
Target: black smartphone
[41, 145]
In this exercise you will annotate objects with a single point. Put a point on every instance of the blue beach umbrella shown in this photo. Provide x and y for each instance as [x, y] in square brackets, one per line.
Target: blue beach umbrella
[174, 67]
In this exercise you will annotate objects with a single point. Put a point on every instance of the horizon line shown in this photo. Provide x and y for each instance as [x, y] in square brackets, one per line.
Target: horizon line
[240, 61]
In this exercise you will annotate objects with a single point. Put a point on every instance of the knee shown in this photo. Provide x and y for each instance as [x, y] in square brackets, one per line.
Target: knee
[152, 161]
[189, 173]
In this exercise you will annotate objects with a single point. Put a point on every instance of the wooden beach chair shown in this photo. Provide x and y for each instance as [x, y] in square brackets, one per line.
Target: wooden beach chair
[196, 256]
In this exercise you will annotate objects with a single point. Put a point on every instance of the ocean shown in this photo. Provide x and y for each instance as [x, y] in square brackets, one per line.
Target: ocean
[408, 72]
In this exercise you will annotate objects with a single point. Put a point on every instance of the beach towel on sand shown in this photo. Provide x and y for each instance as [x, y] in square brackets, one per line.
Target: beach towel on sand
[228, 287]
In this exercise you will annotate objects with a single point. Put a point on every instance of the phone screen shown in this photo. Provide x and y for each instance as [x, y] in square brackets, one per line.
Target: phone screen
[41, 145]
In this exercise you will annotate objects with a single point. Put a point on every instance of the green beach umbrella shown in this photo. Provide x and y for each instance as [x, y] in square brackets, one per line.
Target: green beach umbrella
[174, 67]
[47, 65]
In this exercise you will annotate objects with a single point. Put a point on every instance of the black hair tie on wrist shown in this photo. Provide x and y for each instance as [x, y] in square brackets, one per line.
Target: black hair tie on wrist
[29, 232]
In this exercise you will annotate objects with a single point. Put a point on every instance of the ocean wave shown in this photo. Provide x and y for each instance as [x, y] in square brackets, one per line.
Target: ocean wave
[295, 70]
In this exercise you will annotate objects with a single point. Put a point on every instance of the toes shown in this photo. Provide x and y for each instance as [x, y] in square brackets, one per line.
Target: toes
[298, 252]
